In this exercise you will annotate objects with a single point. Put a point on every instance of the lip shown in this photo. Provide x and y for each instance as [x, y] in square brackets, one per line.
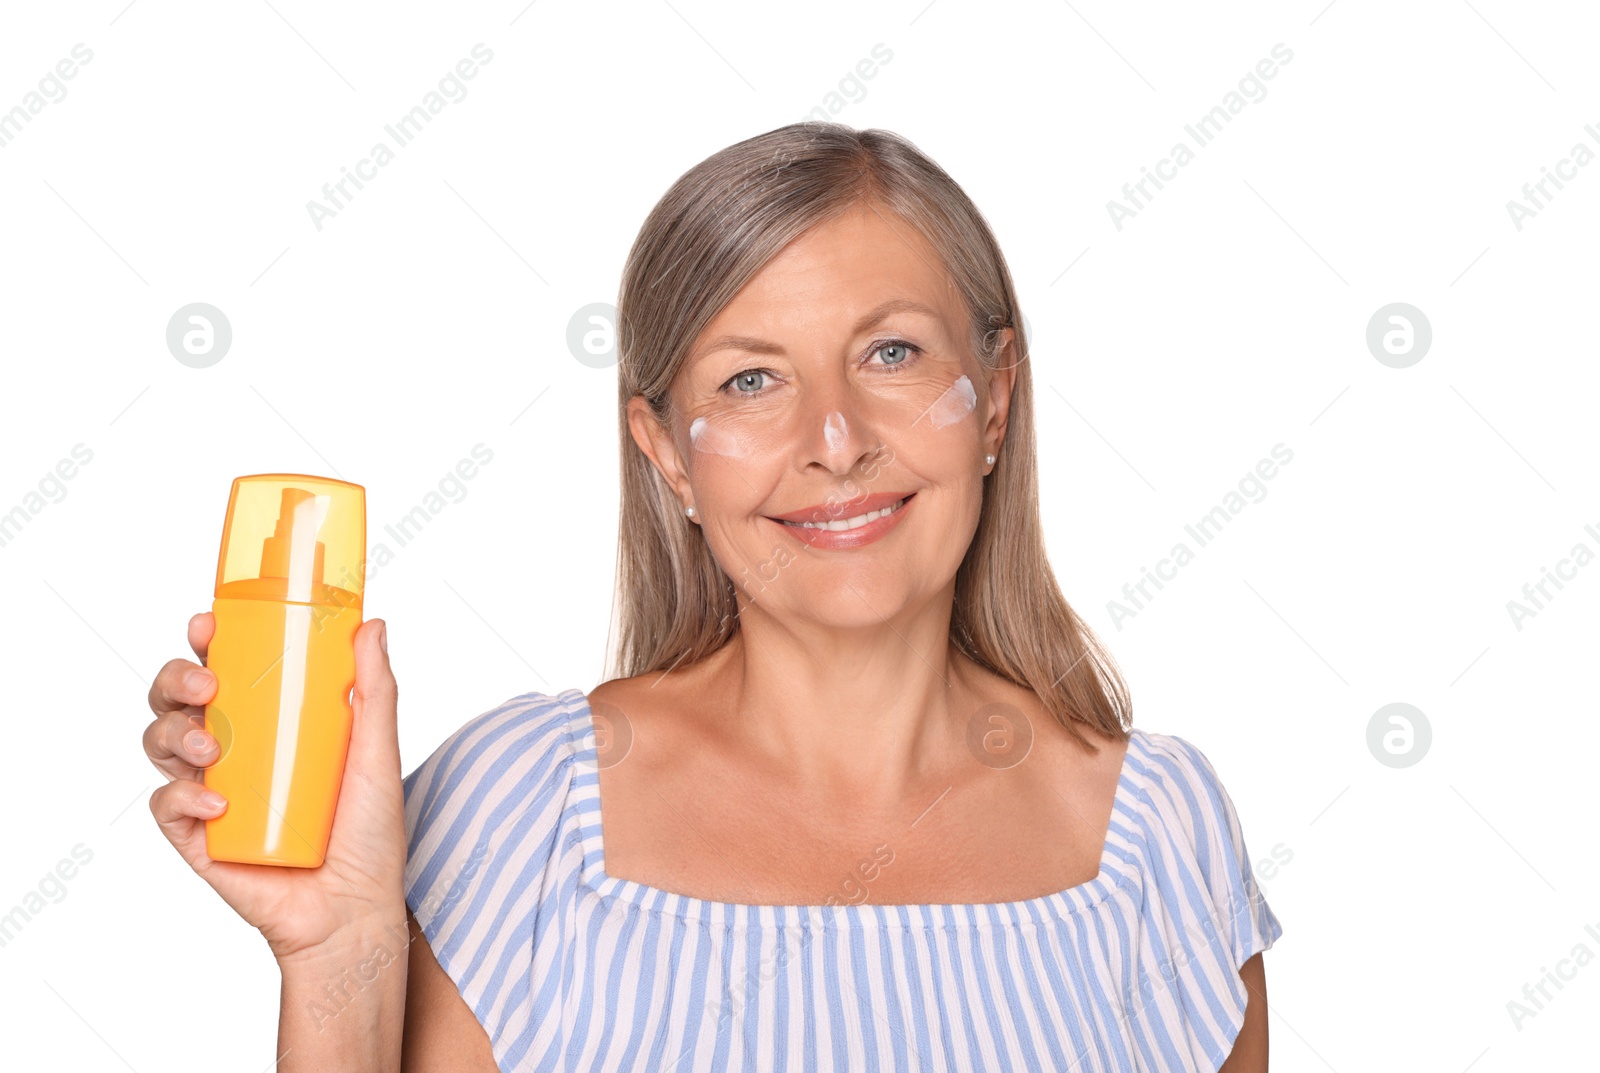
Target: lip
[850, 538]
[839, 510]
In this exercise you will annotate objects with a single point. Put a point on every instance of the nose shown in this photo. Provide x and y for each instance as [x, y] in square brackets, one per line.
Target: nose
[837, 432]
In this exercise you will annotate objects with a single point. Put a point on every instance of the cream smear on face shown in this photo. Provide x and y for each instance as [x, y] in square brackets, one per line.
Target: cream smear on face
[713, 439]
[833, 430]
[957, 402]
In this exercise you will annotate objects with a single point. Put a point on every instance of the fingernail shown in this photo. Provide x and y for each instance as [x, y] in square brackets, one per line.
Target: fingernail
[383, 638]
[210, 801]
[196, 741]
[196, 680]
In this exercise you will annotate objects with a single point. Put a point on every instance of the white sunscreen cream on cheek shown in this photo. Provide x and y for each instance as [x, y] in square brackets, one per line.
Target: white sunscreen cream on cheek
[715, 440]
[957, 402]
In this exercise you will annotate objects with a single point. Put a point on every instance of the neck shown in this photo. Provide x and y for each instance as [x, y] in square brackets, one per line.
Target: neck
[855, 713]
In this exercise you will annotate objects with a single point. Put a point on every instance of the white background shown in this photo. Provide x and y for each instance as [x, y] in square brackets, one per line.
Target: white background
[1229, 315]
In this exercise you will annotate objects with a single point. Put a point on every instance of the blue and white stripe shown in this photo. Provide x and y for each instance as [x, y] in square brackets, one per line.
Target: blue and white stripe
[567, 967]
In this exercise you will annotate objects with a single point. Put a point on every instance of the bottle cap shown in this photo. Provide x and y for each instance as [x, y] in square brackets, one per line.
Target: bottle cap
[294, 537]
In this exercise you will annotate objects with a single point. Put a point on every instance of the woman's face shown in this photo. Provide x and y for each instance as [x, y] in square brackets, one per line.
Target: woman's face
[837, 381]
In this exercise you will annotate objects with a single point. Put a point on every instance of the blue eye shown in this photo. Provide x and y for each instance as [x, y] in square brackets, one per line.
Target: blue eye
[901, 345]
[744, 375]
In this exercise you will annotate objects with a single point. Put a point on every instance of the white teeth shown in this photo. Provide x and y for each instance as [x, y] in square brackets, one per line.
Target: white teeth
[850, 523]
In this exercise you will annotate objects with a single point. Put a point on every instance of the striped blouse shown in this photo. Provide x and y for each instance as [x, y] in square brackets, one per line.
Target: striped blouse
[568, 968]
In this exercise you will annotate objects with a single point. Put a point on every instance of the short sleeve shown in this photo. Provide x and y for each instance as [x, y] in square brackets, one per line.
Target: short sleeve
[1241, 911]
[1202, 916]
[483, 815]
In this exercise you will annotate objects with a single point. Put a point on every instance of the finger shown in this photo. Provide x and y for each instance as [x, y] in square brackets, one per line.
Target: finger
[201, 629]
[181, 810]
[181, 684]
[178, 745]
[374, 735]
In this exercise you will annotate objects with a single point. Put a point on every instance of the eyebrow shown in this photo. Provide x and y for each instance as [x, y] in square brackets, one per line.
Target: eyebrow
[871, 319]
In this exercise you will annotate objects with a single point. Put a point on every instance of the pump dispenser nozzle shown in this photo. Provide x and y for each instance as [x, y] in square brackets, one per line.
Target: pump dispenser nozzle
[294, 537]
[284, 553]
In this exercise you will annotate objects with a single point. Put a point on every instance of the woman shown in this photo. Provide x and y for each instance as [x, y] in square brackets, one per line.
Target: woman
[870, 798]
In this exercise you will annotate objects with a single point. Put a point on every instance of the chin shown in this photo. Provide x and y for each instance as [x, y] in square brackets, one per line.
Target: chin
[841, 599]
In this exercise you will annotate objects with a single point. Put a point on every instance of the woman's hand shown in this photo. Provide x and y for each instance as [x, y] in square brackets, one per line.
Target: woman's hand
[300, 911]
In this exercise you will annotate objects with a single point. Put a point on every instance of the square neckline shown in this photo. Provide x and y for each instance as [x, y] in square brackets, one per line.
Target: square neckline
[593, 876]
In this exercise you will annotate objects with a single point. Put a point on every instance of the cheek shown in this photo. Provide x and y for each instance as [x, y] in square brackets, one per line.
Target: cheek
[719, 438]
[958, 400]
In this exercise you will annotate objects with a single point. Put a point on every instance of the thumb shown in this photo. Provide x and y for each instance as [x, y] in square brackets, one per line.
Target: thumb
[374, 735]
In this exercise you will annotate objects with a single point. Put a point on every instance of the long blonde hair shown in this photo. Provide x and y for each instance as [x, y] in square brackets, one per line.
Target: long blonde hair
[717, 226]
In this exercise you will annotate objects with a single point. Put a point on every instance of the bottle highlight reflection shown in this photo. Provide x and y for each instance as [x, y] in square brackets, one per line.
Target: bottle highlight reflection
[284, 656]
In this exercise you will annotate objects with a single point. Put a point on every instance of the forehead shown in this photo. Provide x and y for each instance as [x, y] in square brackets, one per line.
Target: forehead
[838, 271]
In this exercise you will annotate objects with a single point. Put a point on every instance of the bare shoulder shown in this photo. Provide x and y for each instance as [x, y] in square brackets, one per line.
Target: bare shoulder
[624, 693]
[1052, 741]
[441, 1031]
[631, 709]
[658, 705]
[655, 721]
[1086, 779]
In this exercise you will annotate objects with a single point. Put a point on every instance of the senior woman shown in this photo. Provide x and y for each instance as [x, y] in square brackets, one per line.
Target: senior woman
[863, 792]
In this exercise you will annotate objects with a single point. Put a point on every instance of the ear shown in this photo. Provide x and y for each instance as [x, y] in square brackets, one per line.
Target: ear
[1001, 380]
[656, 441]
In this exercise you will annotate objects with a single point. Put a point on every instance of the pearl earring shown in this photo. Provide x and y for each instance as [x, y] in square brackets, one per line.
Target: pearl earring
[689, 511]
[988, 460]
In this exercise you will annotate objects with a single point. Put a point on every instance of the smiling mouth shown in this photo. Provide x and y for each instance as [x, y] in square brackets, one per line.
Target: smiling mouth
[845, 524]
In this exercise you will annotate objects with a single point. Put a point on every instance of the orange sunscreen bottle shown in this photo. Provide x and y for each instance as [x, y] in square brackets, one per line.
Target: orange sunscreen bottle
[288, 602]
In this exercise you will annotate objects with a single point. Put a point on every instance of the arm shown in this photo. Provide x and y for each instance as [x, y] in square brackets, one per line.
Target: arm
[1250, 1049]
[342, 1002]
[378, 1002]
[441, 1031]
